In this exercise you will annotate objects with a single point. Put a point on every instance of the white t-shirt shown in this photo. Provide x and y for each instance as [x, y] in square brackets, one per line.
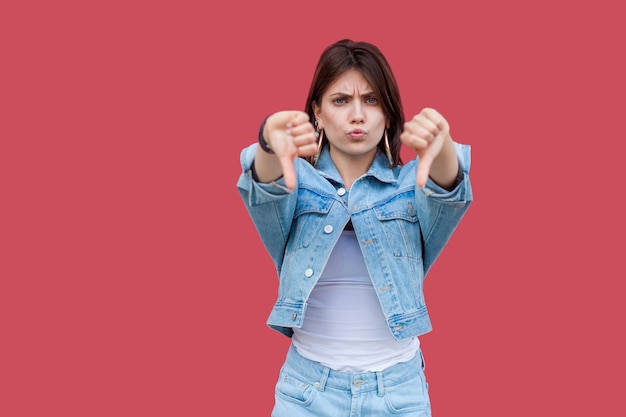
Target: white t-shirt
[344, 326]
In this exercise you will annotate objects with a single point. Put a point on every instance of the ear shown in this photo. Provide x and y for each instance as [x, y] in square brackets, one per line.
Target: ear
[317, 111]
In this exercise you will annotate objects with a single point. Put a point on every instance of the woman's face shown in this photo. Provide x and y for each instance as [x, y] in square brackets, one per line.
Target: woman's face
[351, 116]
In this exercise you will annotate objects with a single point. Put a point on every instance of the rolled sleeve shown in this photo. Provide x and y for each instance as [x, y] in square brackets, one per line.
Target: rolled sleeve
[462, 192]
[258, 192]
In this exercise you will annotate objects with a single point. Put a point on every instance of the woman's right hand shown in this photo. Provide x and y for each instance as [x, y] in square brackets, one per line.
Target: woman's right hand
[289, 134]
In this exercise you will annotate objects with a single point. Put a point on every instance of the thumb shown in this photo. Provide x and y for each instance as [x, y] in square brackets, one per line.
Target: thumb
[289, 171]
[423, 169]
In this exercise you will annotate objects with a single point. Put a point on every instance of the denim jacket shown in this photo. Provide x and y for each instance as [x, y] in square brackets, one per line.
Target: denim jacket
[401, 230]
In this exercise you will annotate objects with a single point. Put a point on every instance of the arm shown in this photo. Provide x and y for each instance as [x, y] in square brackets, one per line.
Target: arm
[441, 210]
[270, 205]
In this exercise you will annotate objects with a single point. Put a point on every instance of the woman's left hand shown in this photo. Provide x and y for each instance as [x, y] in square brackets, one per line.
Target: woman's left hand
[426, 133]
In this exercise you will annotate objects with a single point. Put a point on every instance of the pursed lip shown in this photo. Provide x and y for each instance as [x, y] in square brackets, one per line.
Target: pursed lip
[357, 133]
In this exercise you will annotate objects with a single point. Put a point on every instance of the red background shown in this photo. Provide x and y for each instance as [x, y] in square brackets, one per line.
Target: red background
[132, 282]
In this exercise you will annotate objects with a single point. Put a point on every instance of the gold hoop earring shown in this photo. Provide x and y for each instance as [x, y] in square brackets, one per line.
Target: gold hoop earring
[320, 133]
[388, 150]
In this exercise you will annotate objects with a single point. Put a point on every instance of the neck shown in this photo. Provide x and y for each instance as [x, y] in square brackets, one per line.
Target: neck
[351, 167]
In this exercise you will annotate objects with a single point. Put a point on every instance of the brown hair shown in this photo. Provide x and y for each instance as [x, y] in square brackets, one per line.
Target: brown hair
[366, 58]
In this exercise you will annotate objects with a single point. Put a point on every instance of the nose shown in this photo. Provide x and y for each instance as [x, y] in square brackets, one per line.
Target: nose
[357, 112]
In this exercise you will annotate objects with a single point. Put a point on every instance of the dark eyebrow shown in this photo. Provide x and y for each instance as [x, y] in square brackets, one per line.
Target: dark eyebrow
[340, 94]
[350, 95]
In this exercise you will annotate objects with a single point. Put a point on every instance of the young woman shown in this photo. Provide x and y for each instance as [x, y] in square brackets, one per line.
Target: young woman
[353, 232]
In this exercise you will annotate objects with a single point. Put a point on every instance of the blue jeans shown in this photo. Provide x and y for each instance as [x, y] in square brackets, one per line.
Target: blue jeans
[308, 389]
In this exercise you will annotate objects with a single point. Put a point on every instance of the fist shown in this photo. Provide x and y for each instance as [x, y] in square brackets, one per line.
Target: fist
[426, 133]
[290, 134]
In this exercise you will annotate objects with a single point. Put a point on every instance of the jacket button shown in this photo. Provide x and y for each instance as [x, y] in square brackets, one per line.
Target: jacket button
[293, 316]
[341, 191]
[308, 273]
[328, 229]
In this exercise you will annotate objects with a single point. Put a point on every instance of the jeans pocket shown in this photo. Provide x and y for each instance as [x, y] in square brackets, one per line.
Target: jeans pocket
[291, 388]
[409, 397]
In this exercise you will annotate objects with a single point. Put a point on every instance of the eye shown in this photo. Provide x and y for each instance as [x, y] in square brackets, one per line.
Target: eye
[371, 100]
[339, 100]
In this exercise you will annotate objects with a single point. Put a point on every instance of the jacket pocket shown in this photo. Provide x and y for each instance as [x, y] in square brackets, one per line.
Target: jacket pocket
[400, 225]
[311, 210]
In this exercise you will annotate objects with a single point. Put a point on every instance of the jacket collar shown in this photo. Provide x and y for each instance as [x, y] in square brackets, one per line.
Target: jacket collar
[379, 168]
